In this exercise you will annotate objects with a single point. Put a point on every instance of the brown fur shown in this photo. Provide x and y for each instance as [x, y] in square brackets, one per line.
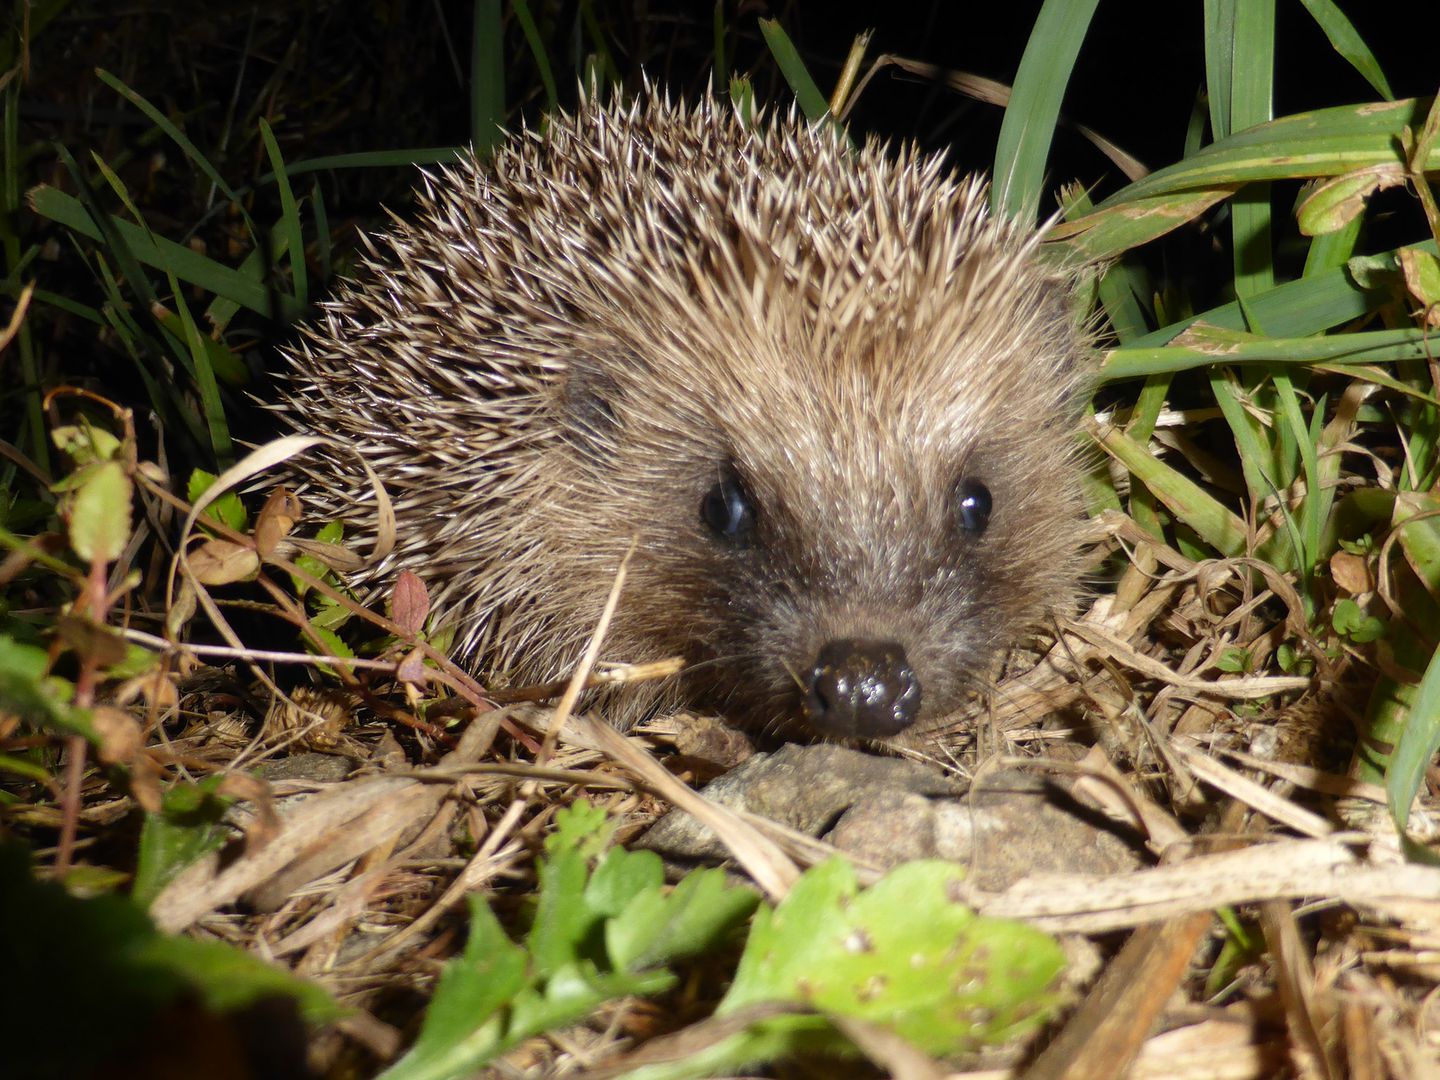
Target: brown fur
[571, 343]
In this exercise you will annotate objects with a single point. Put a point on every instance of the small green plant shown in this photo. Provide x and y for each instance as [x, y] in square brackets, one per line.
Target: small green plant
[903, 954]
[604, 926]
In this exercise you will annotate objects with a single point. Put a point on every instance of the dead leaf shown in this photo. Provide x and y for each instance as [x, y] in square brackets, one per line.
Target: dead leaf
[277, 517]
[411, 602]
[222, 562]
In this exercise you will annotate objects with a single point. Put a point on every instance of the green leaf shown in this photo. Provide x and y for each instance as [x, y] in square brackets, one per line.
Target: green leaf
[99, 513]
[563, 921]
[186, 829]
[904, 954]
[498, 993]
[464, 1026]
[1234, 660]
[657, 927]
[104, 959]
[1350, 621]
[332, 641]
[621, 877]
[37, 697]
[84, 443]
[228, 509]
[332, 532]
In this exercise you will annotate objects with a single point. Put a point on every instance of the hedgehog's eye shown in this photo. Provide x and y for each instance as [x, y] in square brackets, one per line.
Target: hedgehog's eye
[972, 503]
[728, 512]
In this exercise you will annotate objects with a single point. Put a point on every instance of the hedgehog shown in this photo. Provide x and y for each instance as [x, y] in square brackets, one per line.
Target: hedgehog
[820, 398]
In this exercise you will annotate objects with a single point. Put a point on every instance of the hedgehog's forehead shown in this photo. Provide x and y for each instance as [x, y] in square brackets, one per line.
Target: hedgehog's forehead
[856, 410]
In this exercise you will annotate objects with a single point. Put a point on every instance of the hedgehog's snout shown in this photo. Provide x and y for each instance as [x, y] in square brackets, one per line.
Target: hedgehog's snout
[862, 689]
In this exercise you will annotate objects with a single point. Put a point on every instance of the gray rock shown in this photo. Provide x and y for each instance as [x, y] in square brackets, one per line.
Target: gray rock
[888, 811]
[804, 787]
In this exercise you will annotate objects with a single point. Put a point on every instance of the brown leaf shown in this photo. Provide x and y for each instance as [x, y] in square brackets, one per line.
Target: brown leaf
[145, 783]
[100, 643]
[411, 602]
[157, 687]
[1351, 573]
[221, 562]
[412, 668]
[121, 738]
[277, 517]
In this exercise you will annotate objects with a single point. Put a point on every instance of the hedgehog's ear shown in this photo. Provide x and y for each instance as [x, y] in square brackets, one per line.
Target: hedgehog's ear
[588, 400]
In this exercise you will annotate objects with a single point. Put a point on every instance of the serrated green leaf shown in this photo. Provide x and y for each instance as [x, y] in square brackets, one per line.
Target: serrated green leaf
[658, 927]
[563, 921]
[620, 878]
[583, 828]
[333, 642]
[84, 443]
[464, 1026]
[99, 513]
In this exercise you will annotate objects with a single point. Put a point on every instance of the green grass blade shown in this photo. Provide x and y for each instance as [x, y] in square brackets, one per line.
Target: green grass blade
[1220, 16]
[1348, 43]
[1293, 309]
[1333, 250]
[1184, 498]
[812, 102]
[1247, 431]
[368, 159]
[179, 138]
[164, 255]
[1204, 345]
[487, 77]
[1023, 147]
[289, 224]
[607, 66]
[537, 50]
[210, 404]
[1326, 142]
[720, 72]
[1111, 230]
[322, 230]
[1251, 102]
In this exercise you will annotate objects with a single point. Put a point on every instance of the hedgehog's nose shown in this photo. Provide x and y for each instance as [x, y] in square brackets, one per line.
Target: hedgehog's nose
[864, 689]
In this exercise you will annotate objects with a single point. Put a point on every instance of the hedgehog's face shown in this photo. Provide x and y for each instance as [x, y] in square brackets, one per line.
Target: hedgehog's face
[830, 545]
